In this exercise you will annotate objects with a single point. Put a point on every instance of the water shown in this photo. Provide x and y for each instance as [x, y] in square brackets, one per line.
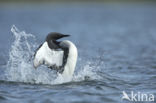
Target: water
[116, 45]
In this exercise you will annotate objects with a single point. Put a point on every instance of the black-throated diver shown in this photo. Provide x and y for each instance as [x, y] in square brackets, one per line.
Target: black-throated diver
[59, 55]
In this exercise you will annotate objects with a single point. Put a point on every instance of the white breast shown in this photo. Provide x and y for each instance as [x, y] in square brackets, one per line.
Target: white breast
[48, 56]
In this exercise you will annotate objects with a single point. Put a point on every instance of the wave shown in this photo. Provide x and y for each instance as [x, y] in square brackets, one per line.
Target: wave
[20, 66]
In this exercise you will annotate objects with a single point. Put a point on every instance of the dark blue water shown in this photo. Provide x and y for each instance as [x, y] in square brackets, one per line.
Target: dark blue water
[116, 45]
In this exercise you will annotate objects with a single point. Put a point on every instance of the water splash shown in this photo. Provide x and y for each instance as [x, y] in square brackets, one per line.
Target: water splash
[87, 72]
[20, 67]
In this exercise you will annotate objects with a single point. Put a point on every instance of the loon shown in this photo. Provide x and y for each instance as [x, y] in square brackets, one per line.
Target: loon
[57, 55]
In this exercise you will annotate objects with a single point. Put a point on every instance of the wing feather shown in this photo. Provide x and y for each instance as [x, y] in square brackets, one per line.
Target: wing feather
[45, 55]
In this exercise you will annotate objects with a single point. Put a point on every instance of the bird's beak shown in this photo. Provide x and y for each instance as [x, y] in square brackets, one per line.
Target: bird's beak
[65, 35]
[61, 36]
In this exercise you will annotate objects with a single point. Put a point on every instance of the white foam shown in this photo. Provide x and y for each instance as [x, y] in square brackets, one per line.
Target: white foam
[87, 72]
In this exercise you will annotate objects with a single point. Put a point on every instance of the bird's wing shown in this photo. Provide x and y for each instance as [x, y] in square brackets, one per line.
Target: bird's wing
[49, 57]
[54, 58]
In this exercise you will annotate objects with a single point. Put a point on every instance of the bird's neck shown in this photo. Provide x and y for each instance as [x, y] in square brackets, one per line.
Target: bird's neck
[71, 61]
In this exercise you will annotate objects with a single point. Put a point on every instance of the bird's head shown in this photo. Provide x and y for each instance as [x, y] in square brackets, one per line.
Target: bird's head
[55, 36]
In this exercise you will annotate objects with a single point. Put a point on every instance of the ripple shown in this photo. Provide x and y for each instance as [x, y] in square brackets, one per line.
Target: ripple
[2, 98]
